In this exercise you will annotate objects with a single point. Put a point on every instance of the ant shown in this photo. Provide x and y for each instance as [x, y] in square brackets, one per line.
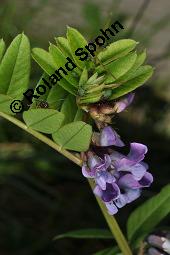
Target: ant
[43, 104]
[40, 104]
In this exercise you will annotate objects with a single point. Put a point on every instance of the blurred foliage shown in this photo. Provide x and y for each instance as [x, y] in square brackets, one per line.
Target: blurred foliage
[35, 181]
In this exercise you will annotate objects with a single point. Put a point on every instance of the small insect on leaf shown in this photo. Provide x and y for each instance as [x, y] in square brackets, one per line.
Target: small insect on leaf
[42, 104]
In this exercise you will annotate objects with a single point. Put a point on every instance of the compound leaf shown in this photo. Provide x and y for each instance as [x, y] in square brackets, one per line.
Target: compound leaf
[68, 87]
[56, 97]
[60, 61]
[116, 50]
[15, 68]
[43, 120]
[83, 77]
[14, 71]
[41, 97]
[76, 40]
[79, 115]
[74, 136]
[142, 74]
[64, 46]
[139, 61]
[46, 61]
[5, 102]
[69, 109]
[119, 67]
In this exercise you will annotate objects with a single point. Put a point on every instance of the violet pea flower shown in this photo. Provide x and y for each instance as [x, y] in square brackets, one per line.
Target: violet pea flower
[132, 162]
[119, 178]
[97, 168]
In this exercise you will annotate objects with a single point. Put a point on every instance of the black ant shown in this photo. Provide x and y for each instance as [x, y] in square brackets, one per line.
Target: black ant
[43, 104]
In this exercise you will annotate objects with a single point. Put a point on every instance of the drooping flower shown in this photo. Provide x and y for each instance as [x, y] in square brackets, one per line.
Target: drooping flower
[119, 178]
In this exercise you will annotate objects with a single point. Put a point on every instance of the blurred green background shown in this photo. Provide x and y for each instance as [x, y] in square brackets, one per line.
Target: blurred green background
[42, 194]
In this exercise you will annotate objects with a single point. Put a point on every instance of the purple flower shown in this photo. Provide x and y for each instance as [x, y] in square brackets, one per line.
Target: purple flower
[111, 192]
[159, 244]
[109, 137]
[103, 178]
[97, 168]
[124, 103]
[128, 181]
[112, 209]
[119, 178]
[132, 162]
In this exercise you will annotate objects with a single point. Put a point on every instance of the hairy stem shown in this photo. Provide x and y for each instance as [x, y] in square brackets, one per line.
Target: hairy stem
[112, 223]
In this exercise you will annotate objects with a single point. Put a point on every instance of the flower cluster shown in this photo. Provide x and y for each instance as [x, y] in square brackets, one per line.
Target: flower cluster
[119, 178]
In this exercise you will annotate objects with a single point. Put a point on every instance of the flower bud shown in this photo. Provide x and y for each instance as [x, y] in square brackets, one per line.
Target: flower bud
[160, 242]
[153, 251]
[124, 103]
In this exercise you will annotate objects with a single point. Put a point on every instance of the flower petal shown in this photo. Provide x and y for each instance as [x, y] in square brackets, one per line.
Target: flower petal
[87, 172]
[121, 201]
[103, 177]
[132, 194]
[93, 161]
[138, 171]
[104, 164]
[97, 191]
[155, 241]
[109, 137]
[115, 156]
[124, 103]
[166, 245]
[128, 181]
[137, 152]
[112, 192]
[153, 251]
[146, 180]
[112, 209]
[136, 155]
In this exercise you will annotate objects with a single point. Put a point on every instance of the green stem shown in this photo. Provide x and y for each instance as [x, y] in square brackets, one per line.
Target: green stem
[114, 227]
[112, 223]
[43, 138]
